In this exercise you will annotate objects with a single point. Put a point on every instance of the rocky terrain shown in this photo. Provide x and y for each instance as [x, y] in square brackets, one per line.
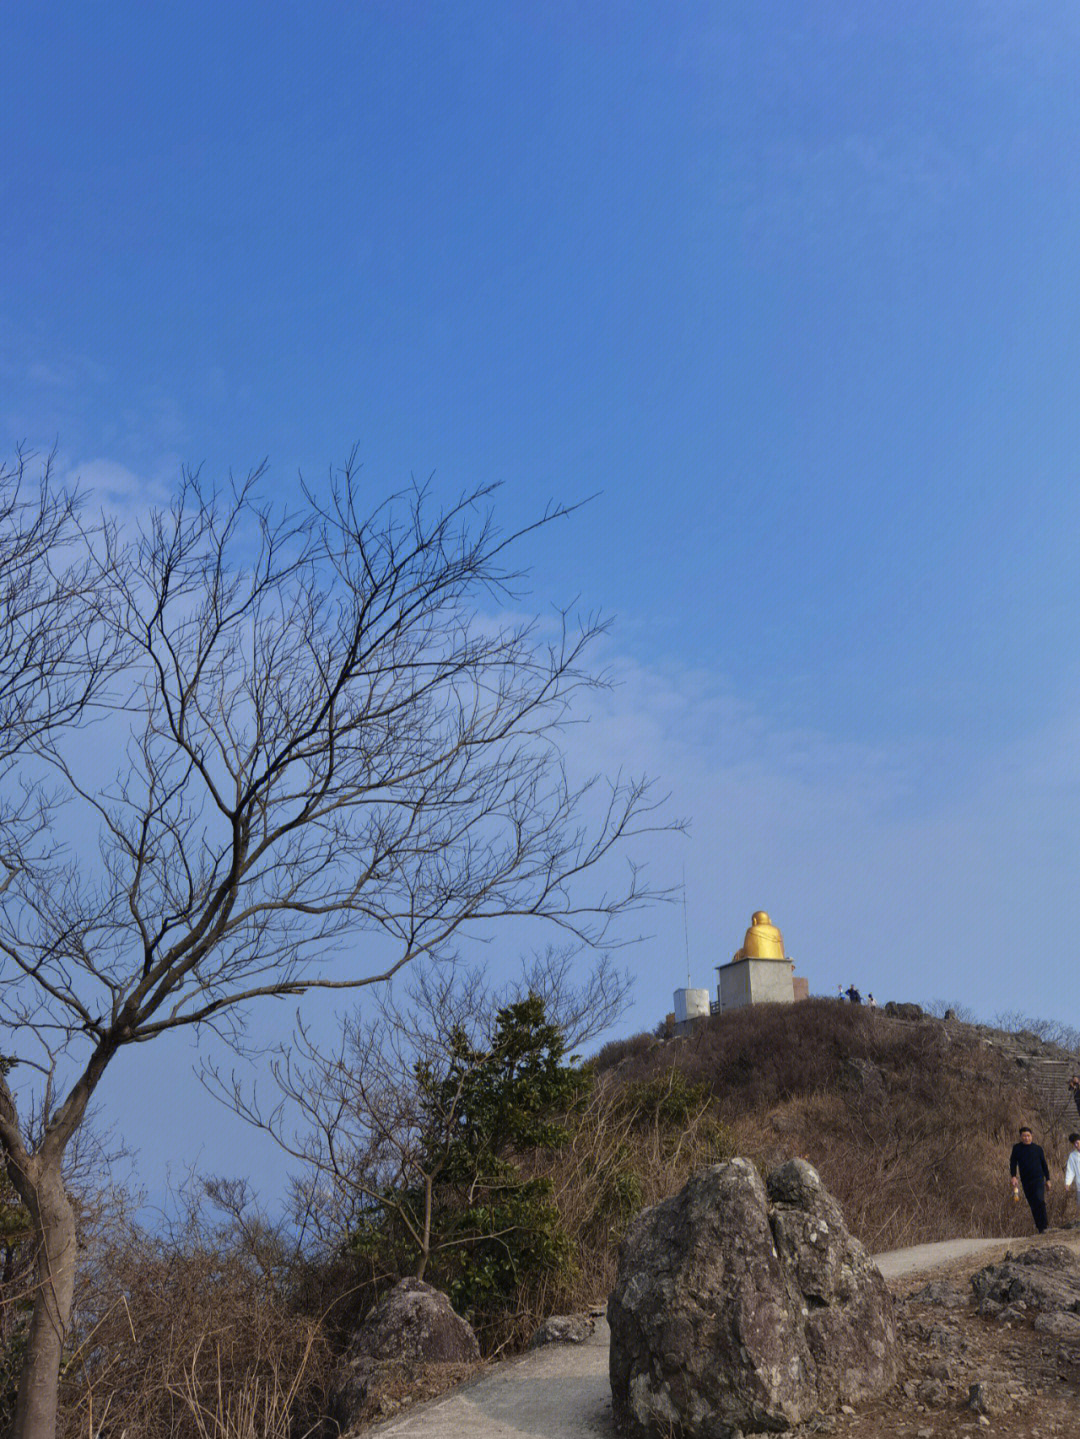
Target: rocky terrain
[1025, 1377]
[1005, 1370]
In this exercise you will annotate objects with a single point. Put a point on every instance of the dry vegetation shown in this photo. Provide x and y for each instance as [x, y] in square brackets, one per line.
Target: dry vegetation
[231, 1331]
[633, 1144]
[205, 1332]
[909, 1124]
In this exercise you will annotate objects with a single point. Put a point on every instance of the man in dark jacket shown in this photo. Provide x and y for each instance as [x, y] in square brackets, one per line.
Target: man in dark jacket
[1074, 1086]
[1029, 1163]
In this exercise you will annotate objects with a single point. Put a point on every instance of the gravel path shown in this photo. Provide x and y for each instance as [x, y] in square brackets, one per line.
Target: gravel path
[561, 1391]
[931, 1256]
[557, 1392]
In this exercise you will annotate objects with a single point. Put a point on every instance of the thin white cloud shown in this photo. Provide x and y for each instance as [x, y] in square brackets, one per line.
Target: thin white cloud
[890, 865]
[121, 492]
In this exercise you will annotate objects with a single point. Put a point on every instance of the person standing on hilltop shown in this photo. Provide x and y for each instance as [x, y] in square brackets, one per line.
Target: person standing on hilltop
[1029, 1163]
[1072, 1169]
[1074, 1085]
[854, 995]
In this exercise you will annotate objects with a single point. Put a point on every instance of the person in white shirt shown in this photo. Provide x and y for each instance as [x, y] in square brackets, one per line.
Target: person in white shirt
[1072, 1169]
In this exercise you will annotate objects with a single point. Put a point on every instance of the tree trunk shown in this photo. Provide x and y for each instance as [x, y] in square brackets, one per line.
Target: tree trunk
[425, 1246]
[54, 1233]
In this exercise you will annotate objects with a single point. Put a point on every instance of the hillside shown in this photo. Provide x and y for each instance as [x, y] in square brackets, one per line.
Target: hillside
[909, 1120]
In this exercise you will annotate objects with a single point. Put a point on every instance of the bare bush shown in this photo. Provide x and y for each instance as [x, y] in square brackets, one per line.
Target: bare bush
[202, 1331]
[939, 1008]
[630, 1146]
[1048, 1031]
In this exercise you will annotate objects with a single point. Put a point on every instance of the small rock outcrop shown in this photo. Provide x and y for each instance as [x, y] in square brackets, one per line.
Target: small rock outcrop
[739, 1310]
[910, 1012]
[564, 1329]
[1046, 1280]
[412, 1328]
[986, 1397]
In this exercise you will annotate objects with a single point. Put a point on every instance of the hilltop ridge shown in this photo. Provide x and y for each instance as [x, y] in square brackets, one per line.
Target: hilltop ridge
[908, 1117]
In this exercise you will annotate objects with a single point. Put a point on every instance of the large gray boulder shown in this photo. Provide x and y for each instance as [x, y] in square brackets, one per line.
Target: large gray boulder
[738, 1310]
[412, 1329]
[846, 1308]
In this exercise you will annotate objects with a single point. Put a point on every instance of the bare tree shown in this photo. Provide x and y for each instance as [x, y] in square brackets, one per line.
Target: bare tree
[56, 659]
[1049, 1031]
[373, 1120]
[583, 1006]
[324, 739]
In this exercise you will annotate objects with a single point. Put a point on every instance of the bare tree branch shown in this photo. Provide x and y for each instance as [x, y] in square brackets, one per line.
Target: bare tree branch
[55, 653]
[372, 1120]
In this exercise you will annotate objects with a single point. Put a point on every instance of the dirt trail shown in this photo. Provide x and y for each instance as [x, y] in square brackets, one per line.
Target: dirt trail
[899, 1262]
[561, 1391]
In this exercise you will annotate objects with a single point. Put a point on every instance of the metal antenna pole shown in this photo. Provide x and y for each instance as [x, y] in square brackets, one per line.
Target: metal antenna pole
[686, 928]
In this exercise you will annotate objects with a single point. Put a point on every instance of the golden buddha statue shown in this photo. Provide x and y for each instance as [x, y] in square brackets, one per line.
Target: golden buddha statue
[763, 940]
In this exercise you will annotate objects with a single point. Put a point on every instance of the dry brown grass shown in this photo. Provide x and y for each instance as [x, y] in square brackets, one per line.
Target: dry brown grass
[909, 1125]
[188, 1340]
[631, 1146]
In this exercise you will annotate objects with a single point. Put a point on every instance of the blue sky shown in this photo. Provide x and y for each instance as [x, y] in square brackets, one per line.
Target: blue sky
[793, 289]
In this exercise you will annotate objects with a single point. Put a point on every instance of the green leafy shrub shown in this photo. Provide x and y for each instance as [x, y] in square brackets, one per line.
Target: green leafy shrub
[486, 1111]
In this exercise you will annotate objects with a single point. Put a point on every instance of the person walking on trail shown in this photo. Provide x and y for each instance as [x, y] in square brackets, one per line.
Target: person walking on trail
[854, 995]
[1074, 1086]
[871, 1001]
[1072, 1169]
[1027, 1166]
